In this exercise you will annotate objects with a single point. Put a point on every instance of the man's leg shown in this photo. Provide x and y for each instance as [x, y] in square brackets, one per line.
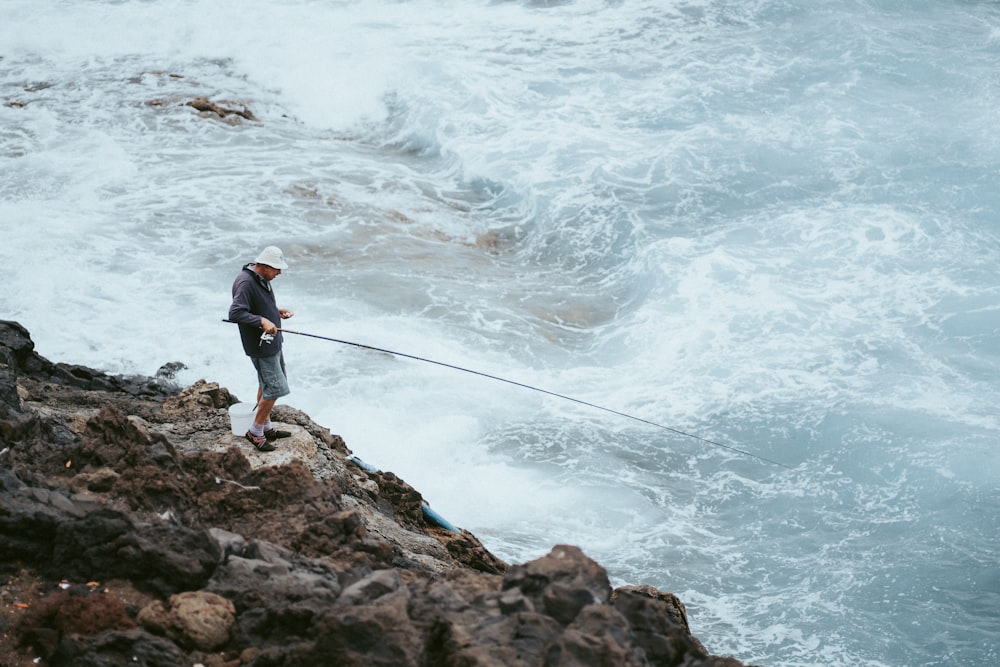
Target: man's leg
[264, 411]
[272, 383]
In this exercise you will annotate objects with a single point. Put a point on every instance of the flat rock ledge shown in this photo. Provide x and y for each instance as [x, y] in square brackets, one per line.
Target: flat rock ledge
[136, 529]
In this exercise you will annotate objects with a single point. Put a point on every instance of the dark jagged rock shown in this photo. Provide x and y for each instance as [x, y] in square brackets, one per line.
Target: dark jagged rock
[117, 648]
[196, 548]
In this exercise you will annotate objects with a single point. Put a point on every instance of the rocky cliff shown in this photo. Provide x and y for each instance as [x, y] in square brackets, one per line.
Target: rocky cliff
[136, 529]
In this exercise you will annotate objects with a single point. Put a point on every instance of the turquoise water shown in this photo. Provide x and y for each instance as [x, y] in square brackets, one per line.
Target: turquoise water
[772, 225]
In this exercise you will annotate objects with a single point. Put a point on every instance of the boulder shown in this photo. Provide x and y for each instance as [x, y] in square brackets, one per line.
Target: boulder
[193, 619]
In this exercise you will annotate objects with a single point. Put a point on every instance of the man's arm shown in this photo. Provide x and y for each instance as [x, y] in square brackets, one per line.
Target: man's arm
[240, 310]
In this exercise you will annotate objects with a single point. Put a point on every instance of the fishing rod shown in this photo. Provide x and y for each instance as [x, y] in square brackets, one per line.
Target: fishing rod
[527, 386]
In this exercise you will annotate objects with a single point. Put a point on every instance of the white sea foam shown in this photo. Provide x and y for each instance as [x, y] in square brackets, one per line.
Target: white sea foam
[771, 227]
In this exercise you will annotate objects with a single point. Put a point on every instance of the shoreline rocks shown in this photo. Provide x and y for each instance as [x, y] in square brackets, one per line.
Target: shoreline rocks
[135, 528]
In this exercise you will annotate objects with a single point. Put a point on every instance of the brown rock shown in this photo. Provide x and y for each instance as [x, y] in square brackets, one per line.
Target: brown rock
[204, 105]
[297, 557]
[194, 619]
[78, 611]
[562, 583]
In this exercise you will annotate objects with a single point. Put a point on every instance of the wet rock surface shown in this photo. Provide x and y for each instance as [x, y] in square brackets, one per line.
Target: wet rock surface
[136, 529]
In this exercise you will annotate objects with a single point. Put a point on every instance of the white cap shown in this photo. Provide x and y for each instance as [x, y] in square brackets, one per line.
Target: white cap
[273, 257]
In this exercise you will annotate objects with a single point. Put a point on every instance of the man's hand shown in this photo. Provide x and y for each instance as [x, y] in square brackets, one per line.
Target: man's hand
[268, 326]
[285, 313]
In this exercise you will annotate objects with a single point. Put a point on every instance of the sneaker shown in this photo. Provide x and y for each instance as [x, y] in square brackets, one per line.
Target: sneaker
[260, 442]
[273, 434]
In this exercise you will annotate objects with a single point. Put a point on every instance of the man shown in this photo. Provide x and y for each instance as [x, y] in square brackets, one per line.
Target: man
[255, 309]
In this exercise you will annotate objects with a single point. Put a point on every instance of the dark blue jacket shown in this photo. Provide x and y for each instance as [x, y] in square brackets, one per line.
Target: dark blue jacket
[253, 298]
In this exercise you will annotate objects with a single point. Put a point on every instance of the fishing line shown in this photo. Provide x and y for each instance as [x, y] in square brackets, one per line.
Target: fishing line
[533, 388]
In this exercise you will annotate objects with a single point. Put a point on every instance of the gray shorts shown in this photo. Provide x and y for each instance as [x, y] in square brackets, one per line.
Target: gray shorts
[271, 376]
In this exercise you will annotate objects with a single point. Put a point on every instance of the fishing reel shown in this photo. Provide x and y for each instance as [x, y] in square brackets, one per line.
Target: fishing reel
[265, 338]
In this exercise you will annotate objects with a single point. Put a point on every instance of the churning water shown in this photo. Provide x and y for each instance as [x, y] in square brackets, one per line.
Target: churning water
[773, 224]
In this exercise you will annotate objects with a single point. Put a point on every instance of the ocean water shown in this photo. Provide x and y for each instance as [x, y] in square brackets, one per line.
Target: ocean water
[771, 224]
